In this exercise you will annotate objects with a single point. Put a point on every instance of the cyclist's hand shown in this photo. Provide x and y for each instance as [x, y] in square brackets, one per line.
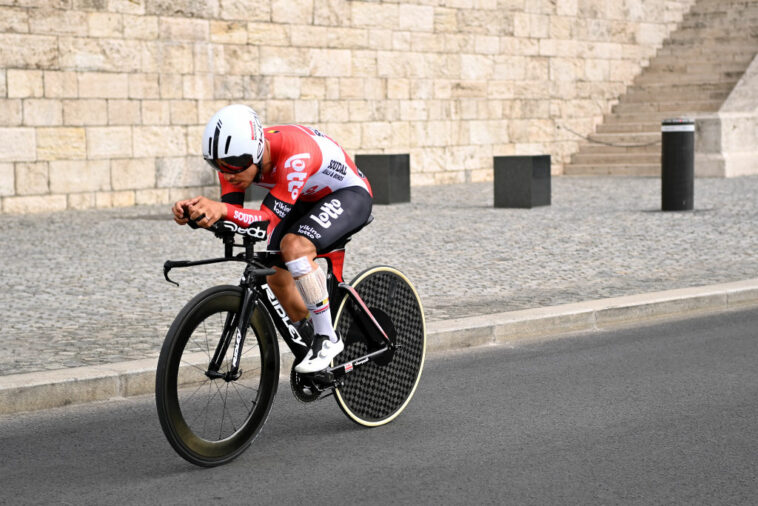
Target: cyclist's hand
[179, 209]
[206, 211]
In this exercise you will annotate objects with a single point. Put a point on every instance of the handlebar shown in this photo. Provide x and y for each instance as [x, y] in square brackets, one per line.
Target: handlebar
[226, 231]
[256, 231]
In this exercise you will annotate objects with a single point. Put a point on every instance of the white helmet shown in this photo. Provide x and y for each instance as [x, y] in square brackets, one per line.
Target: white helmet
[233, 139]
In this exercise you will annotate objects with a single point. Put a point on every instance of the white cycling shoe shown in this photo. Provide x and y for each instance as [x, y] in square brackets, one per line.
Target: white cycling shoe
[320, 355]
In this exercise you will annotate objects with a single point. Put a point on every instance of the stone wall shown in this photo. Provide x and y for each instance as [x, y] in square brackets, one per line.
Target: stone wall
[102, 102]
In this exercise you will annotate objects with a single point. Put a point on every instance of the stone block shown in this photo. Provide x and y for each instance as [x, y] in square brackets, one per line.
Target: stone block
[25, 83]
[151, 197]
[42, 112]
[182, 28]
[156, 112]
[228, 32]
[198, 86]
[140, 27]
[59, 21]
[375, 15]
[170, 86]
[75, 176]
[14, 20]
[416, 17]
[522, 181]
[105, 24]
[268, 34]
[28, 51]
[240, 9]
[11, 112]
[144, 86]
[85, 112]
[81, 201]
[61, 84]
[32, 178]
[61, 143]
[7, 179]
[133, 173]
[124, 112]
[292, 11]
[19, 145]
[109, 142]
[183, 112]
[389, 176]
[103, 85]
[34, 204]
[160, 141]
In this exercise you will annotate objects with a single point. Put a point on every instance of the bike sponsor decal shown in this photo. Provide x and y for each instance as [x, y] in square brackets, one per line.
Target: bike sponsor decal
[361, 361]
[256, 232]
[237, 339]
[329, 210]
[281, 209]
[283, 315]
[336, 170]
[308, 232]
[296, 179]
[348, 367]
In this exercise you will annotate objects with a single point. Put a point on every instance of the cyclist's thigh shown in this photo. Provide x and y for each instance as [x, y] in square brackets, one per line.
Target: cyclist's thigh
[334, 217]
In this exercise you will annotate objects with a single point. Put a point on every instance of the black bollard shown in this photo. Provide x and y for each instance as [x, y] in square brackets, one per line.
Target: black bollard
[677, 164]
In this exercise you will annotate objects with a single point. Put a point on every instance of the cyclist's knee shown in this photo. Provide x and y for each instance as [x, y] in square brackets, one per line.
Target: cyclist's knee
[296, 246]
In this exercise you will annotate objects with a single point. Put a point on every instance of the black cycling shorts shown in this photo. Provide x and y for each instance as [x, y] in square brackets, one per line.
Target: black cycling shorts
[326, 221]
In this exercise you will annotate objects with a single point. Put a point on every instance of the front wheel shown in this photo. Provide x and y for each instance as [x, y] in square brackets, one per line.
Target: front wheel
[209, 419]
[379, 391]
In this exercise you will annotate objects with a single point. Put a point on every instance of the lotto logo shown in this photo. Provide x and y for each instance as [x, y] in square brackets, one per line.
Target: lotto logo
[329, 211]
[296, 179]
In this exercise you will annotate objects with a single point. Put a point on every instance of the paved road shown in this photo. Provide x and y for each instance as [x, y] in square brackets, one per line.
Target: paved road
[650, 415]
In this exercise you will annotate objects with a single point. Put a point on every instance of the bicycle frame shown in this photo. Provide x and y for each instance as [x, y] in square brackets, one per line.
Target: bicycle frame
[256, 292]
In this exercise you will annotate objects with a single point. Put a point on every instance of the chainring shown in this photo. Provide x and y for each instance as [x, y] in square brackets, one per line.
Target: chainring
[303, 390]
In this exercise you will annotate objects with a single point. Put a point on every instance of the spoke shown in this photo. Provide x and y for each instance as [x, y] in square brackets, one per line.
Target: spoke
[225, 411]
[245, 387]
[196, 391]
[194, 366]
[245, 401]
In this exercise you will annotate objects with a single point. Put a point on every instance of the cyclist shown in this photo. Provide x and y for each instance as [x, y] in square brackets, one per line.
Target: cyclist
[316, 197]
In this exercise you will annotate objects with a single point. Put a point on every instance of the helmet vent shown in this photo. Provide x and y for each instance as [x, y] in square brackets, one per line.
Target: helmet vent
[226, 147]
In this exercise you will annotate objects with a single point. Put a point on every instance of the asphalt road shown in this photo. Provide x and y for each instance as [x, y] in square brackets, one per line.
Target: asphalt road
[650, 415]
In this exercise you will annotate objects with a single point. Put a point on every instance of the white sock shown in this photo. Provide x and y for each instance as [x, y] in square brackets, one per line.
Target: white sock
[312, 287]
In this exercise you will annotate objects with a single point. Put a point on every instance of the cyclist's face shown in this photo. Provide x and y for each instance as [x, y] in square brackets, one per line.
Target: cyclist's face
[244, 178]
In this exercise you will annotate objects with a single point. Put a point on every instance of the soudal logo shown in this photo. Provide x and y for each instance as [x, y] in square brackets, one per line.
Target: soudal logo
[329, 211]
[296, 178]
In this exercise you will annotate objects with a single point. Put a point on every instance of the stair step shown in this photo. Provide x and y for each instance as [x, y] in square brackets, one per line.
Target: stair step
[617, 127]
[663, 79]
[682, 105]
[650, 170]
[602, 149]
[613, 159]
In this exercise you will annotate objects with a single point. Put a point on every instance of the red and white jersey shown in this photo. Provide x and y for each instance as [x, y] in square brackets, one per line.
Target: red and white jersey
[308, 165]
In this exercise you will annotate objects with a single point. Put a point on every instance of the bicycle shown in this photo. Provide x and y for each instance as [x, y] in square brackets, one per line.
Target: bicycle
[216, 381]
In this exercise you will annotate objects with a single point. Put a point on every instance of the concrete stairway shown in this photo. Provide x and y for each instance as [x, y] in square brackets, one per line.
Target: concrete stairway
[693, 73]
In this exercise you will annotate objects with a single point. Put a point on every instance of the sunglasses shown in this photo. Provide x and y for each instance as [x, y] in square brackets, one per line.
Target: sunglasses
[232, 164]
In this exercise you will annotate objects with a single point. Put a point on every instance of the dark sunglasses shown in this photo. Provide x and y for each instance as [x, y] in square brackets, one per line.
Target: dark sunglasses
[232, 164]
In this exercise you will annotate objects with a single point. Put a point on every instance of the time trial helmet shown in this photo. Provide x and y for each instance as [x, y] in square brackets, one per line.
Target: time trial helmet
[233, 139]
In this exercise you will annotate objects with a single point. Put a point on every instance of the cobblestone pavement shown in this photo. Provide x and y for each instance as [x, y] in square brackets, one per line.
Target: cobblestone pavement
[86, 287]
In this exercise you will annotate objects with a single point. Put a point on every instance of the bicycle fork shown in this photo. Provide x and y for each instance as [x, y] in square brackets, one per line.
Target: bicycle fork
[235, 329]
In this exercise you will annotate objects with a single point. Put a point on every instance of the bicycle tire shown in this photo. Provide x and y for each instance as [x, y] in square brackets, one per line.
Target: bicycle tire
[376, 394]
[188, 401]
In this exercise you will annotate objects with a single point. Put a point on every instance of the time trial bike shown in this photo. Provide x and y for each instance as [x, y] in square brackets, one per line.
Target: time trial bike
[218, 369]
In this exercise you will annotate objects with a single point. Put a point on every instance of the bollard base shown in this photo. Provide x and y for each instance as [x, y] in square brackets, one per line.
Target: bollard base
[522, 181]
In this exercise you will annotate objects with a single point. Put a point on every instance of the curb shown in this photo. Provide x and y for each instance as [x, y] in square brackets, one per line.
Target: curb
[50, 389]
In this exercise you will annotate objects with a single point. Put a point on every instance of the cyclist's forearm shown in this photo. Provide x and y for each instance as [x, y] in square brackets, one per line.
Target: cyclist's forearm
[244, 217]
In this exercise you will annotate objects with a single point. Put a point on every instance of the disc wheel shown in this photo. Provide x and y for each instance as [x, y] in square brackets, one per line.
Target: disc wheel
[376, 393]
[211, 420]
